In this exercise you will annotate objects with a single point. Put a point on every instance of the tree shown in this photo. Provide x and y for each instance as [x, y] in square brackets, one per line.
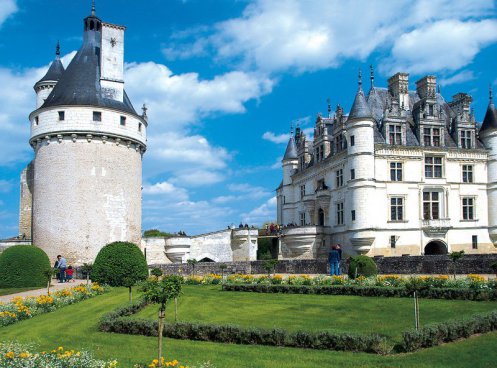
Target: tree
[270, 265]
[455, 257]
[120, 264]
[23, 266]
[157, 272]
[192, 262]
[362, 266]
[49, 274]
[160, 291]
[222, 267]
[86, 269]
[414, 285]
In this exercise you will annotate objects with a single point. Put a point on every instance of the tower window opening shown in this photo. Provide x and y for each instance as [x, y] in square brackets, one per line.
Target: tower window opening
[123, 120]
[61, 115]
[92, 25]
[37, 120]
[97, 116]
[139, 127]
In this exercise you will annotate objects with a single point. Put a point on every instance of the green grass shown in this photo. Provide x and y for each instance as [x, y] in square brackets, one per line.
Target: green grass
[75, 327]
[386, 316]
[10, 291]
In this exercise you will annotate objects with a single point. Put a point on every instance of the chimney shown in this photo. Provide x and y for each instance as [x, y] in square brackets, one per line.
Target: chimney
[398, 86]
[426, 87]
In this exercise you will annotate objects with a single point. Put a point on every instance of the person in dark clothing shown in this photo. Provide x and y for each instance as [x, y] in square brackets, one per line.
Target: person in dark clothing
[334, 259]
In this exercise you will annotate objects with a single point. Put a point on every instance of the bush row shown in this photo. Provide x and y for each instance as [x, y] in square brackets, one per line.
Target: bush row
[448, 331]
[433, 293]
[118, 322]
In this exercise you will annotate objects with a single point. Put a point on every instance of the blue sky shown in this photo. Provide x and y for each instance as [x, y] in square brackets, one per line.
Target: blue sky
[225, 79]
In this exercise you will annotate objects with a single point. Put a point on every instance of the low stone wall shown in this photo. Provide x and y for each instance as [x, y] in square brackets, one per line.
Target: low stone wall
[477, 264]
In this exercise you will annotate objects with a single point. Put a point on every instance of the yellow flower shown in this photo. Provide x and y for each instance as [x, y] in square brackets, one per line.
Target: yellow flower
[10, 355]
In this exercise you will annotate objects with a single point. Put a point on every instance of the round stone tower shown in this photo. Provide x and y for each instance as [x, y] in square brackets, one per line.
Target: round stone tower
[88, 142]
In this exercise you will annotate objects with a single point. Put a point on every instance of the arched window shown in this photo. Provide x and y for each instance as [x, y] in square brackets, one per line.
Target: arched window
[320, 217]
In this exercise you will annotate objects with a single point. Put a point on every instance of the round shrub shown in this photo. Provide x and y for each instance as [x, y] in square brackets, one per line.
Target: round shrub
[118, 263]
[23, 266]
[364, 265]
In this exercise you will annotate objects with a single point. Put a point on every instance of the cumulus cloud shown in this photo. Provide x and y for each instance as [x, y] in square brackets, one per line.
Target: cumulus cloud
[262, 213]
[7, 8]
[166, 189]
[275, 36]
[460, 77]
[280, 138]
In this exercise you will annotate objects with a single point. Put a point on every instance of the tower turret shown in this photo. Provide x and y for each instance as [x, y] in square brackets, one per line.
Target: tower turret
[286, 198]
[488, 135]
[88, 142]
[360, 196]
[46, 84]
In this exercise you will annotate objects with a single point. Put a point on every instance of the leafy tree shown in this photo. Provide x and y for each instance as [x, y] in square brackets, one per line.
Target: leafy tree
[86, 269]
[222, 267]
[362, 266]
[192, 262]
[155, 233]
[414, 285]
[455, 257]
[270, 265]
[49, 274]
[160, 291]
[120, 264]
[157, 272]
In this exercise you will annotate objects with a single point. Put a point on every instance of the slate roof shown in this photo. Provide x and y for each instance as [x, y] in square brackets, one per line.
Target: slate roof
[80, 82]
[291, 149]
[490, 120]
[54, 72]
[360, 108]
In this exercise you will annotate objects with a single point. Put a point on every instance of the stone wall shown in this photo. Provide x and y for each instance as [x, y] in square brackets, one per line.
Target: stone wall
[476, 263]
[26, 201]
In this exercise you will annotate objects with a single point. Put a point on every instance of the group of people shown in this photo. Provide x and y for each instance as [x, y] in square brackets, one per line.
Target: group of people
[335, 257]
[64, 273]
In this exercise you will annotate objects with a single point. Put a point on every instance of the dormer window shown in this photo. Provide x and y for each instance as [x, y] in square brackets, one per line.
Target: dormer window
[395, 134]
[97, 116]
[431, 137]
[465, 139]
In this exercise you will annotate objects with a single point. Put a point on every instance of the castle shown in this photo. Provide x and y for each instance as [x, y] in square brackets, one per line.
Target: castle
[404, 173]
[83, 188]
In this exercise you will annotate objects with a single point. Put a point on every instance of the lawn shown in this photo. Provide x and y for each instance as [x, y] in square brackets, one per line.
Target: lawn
[75, 326]
[10, 291]
[386, 316]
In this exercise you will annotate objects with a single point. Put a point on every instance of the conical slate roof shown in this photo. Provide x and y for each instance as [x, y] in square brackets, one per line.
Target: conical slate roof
[490, 120]
[80, 83]
[360, 108]
[291, 150]
[55, 70]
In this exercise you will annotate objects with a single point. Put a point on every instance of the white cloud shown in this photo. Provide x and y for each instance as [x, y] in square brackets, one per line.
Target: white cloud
[7, 8]
[167, 189]
[281, 138]
[460, 77]
[274, 36]
[197, 178]
[262, 213]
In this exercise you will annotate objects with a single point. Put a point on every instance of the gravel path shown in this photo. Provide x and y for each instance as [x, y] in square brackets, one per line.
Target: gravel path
[43, 291]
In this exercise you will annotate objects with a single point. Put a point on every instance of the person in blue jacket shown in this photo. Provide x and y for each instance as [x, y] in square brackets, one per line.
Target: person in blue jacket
[334, 257]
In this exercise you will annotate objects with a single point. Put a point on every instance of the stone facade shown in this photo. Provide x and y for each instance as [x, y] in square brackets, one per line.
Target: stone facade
[26, 201]
[404, 173]
[231, 245]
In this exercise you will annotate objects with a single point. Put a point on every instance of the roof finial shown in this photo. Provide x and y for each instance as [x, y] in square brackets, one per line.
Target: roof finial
[93, 12]
[57, 49]
[371, 70]
[329, 107]
[360, 79]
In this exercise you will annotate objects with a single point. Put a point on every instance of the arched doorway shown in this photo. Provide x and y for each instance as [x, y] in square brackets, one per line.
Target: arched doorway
[321, 217]
[435, 247]
[206, 259]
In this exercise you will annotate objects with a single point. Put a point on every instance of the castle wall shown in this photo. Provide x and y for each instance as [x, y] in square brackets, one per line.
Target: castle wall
[26, 201]
[87, 194]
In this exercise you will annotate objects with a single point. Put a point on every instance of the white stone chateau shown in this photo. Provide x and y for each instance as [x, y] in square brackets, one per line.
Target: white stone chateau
[406, 172]
[83, 188]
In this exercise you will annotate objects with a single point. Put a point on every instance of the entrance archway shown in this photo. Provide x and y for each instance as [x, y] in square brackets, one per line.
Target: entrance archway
[206, 259]
[435, 247]
[321, 217]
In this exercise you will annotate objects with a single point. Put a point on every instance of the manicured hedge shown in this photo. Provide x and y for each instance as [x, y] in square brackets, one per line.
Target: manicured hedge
[117, 322]
[119, 263]
[23, 266]
[448, 331]
[362, 266]
[433, 293]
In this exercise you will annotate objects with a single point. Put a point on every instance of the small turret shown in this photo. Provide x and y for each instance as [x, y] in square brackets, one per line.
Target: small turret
[46, 84]
[360, 109]
[490, 120]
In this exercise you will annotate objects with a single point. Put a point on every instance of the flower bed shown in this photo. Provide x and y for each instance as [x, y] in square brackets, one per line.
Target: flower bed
[23, 308]
[18, 355]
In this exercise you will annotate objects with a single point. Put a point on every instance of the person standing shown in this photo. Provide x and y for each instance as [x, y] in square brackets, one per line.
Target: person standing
[62, 265]
[56, 266]
[334, 259]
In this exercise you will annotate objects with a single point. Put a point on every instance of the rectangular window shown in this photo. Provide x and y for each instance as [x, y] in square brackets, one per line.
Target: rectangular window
[322, 153]
[396, 209]
[302, 191]
[393, 240]
[37, 120]
[339, 143]
[395, 134]
[97, 116]
[339, 178]
[431, 137]
[123, 120]
[396, 171]
[431, 205]
[139, 127]
[466, 139]
[352, 140]
[302, 218]
[352, 215]
[340, 213]
[61, 115]
[321, 185]
[433, 167]
[467, 173]
[468, 208]
[352, 174]
[474, 241]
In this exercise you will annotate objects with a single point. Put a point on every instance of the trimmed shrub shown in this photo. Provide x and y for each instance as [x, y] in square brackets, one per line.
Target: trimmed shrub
[23, 266]
[362, 266]
[117, 263]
